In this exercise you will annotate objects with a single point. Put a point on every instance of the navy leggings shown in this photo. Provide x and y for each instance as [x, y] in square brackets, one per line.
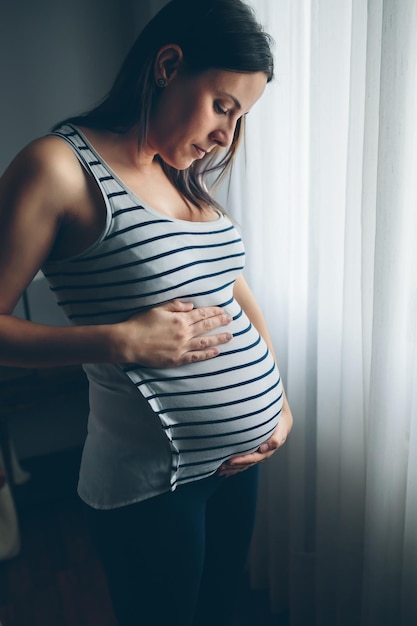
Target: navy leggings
[177, 559]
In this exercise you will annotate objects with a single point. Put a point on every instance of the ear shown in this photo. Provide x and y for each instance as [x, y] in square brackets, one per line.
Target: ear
[167, 63]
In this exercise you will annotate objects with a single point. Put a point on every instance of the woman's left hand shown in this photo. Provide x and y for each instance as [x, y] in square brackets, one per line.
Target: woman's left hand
[278, 438]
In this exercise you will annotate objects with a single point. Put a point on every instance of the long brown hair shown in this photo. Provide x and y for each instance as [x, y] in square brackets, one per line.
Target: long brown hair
[213, 34]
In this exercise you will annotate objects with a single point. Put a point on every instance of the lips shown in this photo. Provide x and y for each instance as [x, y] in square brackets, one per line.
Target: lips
[200, 152]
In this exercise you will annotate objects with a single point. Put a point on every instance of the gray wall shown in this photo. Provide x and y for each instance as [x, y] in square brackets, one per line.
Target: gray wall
[57, 57]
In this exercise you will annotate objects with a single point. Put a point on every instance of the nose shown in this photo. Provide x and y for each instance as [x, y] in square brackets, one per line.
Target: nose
[223, 136]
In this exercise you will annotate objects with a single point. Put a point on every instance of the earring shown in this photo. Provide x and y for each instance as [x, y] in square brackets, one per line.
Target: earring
[161, 82]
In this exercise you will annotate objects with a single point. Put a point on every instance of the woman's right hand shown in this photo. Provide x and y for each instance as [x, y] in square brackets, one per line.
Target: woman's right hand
[172, 334]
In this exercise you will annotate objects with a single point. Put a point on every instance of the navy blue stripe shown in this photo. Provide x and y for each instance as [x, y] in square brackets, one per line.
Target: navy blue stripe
[236, 317]
[195, 392]
[128, 209]
[221, 405]
[139, 309]
[115, 194]
[223, 421]
[134, 207]
[134, 226]
[221, 459]
[224, 304]
[224, 447]
[199, 294]
[226, 370]
[142, 279]
[154, 293]
[227, 420]
[126, 313]
[144, 242]
[243, 332]
[116, 268]
[118, 312]
[141, 368]
[229, 433]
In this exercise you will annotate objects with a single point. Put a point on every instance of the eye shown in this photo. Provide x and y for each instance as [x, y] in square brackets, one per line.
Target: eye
[220, 109]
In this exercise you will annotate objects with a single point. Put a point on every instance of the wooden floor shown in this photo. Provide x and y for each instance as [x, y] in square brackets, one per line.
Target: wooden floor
[57, 580]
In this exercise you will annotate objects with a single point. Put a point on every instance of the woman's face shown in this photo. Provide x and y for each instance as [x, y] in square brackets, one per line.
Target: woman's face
[194, 114]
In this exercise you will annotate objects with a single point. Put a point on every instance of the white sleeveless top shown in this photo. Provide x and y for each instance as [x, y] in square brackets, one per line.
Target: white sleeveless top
[152, 429]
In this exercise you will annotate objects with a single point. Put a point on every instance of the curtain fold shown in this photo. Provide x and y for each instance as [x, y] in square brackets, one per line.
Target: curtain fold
[389, 506]
[326, 197]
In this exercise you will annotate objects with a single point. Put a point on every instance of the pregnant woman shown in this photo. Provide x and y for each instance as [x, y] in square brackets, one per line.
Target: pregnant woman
[185, 395]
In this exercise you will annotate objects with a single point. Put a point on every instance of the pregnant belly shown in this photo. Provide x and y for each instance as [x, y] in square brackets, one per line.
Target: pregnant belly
[215, 409]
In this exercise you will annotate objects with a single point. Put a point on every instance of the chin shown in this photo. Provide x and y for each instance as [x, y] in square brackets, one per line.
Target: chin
[180, 164]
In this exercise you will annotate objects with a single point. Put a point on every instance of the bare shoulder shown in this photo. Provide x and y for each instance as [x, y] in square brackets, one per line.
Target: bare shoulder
[47, 186]
[46, 164]
[36, 192]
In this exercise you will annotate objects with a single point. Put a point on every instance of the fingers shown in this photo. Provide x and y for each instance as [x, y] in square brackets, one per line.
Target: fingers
[227, 469]
[174, 334]
[199, 323]
[177, 306]
[206, 321]
[207, 342]
[197, 315]
[204, 318]
[210, 324]
[245, 461]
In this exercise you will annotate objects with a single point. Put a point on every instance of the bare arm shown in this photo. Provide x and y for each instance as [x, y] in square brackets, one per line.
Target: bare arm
[236, 464]
[40, 193]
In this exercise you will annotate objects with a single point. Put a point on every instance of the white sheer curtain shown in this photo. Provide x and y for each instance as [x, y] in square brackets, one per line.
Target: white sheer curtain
[327, 200]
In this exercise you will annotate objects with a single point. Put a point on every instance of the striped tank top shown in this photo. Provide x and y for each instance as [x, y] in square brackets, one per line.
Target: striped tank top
[196, 415]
